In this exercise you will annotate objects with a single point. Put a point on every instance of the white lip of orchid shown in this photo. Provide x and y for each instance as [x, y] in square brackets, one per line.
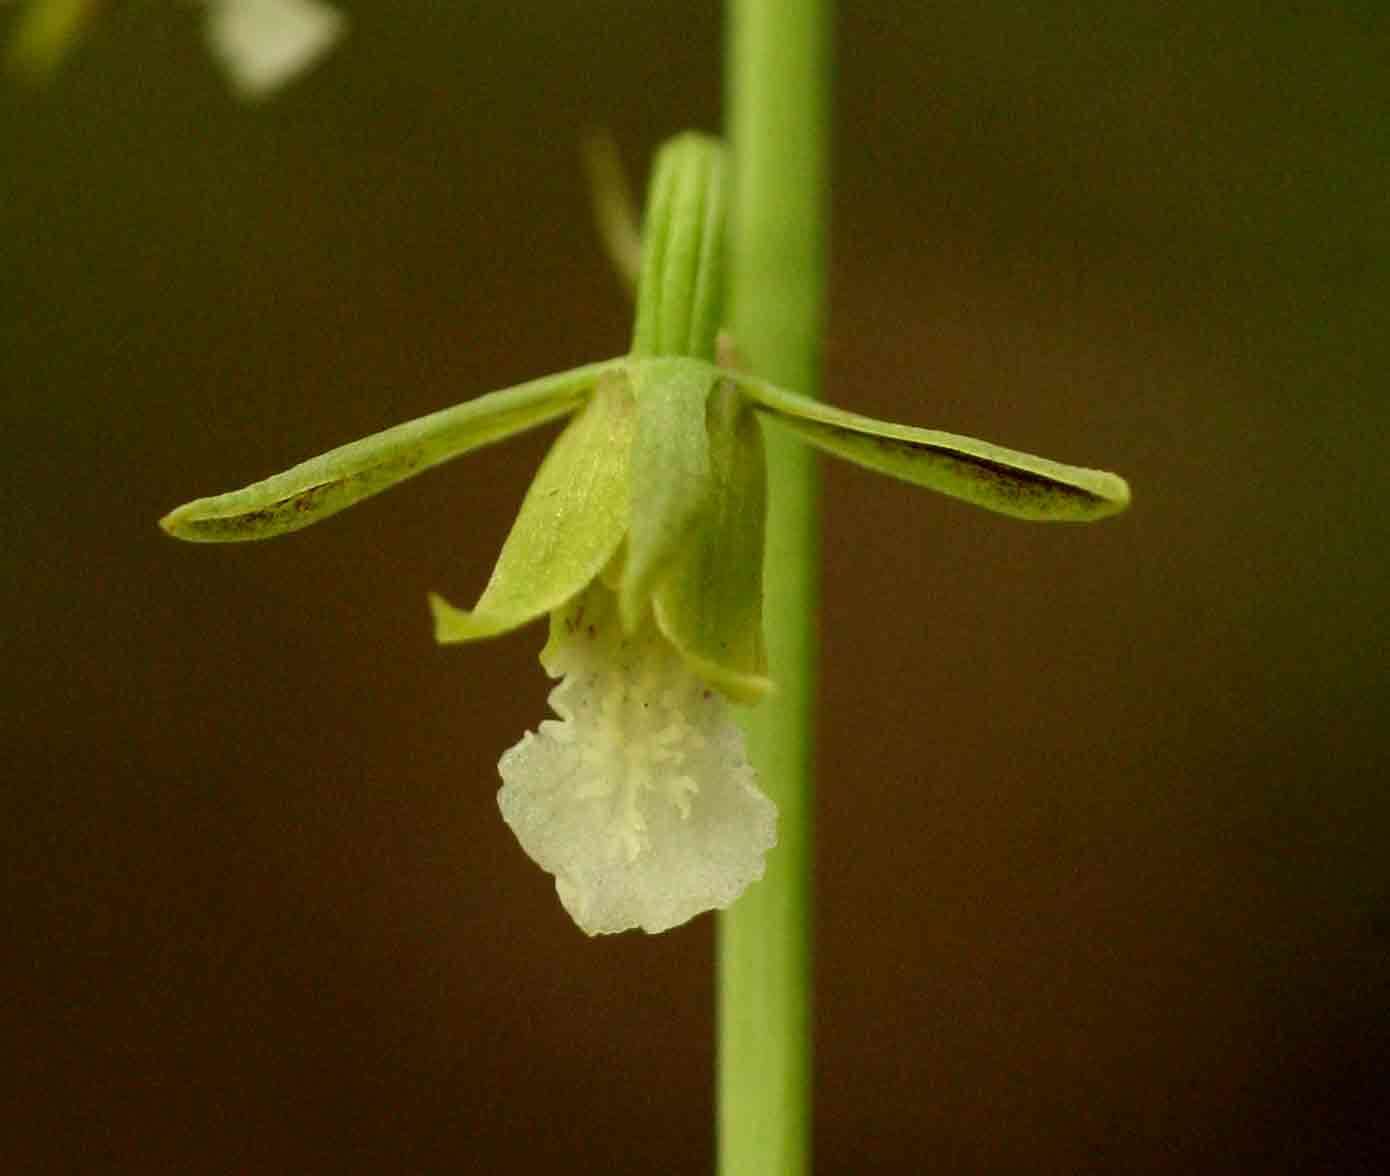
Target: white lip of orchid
[640, 799]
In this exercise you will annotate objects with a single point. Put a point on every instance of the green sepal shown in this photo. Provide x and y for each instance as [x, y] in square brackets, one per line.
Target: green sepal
[571, 523]
[324, 485]
[681, 286]
[709, 605]
[670, 473]
[998, 479]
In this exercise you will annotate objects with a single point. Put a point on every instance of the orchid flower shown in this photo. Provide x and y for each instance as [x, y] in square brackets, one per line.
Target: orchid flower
[641, 538]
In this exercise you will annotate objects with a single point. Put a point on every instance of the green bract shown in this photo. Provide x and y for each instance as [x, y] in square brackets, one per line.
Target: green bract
[648, 513]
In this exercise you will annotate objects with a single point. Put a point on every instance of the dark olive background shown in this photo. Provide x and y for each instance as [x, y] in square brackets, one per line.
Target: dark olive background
[1103, 872]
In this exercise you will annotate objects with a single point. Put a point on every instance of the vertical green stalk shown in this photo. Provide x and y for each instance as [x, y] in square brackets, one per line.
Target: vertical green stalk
[777, 98]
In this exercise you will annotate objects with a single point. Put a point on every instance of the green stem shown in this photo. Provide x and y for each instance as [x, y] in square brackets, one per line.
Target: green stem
[777, 96]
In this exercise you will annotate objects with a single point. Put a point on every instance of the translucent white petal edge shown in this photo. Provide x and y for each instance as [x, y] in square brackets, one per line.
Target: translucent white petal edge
[640, 799]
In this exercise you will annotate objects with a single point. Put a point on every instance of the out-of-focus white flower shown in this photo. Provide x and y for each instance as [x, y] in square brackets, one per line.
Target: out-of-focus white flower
[263, 44]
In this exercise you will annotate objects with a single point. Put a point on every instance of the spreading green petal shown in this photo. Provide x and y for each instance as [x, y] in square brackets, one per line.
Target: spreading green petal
[335, 480]
[670, 475]
[977, 472]
[709, 605]
[570, 525]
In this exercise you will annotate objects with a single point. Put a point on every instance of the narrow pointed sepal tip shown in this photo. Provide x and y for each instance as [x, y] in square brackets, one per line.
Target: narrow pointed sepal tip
[169, 524]
[444, 616]
[1113, 492]
[453, 625]
[192, 523]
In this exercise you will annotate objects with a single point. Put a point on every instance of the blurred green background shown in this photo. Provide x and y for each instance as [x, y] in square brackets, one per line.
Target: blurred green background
[1104, 876]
